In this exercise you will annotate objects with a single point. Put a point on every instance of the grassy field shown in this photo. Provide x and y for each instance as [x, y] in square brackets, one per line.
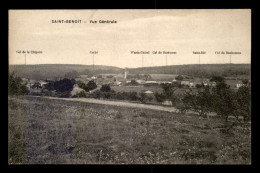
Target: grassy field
[163, 77]
[137, 89]
[44, 131]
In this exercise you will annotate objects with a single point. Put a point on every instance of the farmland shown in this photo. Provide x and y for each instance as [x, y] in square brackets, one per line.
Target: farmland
[61, 131]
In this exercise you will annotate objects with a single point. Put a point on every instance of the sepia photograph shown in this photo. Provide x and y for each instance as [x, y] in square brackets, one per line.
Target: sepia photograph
[129, 87]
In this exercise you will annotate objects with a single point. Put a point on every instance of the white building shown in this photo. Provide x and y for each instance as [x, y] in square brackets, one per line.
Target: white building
[150, 82]
[148, 92]
[94, 77]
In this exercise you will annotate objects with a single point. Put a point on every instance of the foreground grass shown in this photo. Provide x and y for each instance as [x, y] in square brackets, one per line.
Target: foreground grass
[56, 131]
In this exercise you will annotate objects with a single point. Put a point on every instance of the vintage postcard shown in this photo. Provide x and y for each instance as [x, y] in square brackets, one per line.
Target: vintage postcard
[169, 86]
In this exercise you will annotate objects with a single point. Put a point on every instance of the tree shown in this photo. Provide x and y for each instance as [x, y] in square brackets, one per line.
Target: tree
[179, 77]
[147, 77]
[133, 82]
[91, 85]
[217, 79]
[224, 101]
[143, 97]
[167, 94]
[159, 97]
[199, 101]
[244, 101]
[131, 95]
[15, 86]
[63, 85]
[36, 85]
[105, 88]
[81, 94]
[83, 86]
[49, 86]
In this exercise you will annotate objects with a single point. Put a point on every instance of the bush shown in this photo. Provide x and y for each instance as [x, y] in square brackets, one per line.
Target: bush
[199, 102]
[143, 98]
[15, 86]
[64, 94]
[159, 97]
[132, 95]
[179, 77]
[105, 88]
[224, 101]
[243, 100]
[63, 85]
[49, 86]
[36, 85]
[91, 85]
[96, 94]
[81, 94]
[83, 86]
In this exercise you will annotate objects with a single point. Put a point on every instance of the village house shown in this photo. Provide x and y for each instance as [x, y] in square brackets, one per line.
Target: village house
[238, 85]
[42, 83]
[94, 77]
[165, 82]
[191, 85]
[151, 82]
[148, 92]
[167, 102]
[118, 83]
[140, 81]
[185, 82]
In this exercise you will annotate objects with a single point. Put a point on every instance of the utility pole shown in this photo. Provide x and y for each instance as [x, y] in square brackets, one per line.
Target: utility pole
[199, 62]
[93, 63]
[93, 53]
[142, 60]
[230, 62]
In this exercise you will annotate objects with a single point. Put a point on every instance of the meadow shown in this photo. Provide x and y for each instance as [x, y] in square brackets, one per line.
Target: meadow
[58, 132]
[163, 77]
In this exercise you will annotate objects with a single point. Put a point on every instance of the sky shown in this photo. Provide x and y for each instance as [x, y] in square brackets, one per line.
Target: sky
[181, 31]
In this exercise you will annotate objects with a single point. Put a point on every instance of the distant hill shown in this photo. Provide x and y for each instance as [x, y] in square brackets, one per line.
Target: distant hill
[195, 70]
[54, 71]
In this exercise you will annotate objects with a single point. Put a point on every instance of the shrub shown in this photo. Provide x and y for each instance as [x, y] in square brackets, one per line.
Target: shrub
[105, 88]
[81, 94]
[179, 77]
[243, 100]
[63, 85]
[143, 98]
[96, 94]
[36, 85]
[91, 85]
[132, 95]
[159, 97]
[224, 101]
[199, 102]
[15, 86]
[83, 86]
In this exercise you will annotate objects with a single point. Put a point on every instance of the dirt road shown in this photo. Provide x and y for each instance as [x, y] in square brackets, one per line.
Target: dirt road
[116, 103]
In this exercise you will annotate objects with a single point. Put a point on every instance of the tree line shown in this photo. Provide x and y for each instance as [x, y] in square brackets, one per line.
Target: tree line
[220, 99]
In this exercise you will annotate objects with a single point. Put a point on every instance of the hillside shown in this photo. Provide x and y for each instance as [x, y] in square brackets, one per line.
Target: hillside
[52, 71]
[203, 70]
